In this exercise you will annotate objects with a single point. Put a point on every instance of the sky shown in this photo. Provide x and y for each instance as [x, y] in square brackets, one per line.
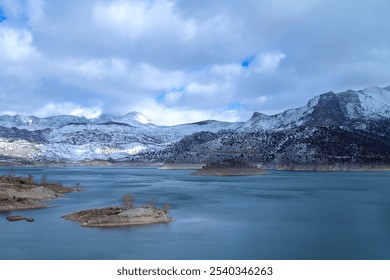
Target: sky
[181, 61]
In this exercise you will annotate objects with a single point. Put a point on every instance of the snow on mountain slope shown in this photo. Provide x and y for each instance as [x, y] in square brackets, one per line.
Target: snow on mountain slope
[375, 102]
[111, 140]
[289, 118]
[34, 123]
[134, 118]
[72, 138]
[328, 109]
[19, 148]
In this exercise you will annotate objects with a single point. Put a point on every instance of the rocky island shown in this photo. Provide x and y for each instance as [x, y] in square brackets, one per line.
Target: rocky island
[20, 193]
[119, 216]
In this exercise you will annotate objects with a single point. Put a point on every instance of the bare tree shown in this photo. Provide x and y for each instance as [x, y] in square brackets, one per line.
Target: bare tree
[166, 208]
[128, 201]
[43, 179]
[150, 203]
[30, 179]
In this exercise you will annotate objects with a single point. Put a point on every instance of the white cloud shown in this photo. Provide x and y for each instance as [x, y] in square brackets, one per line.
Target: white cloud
[15, 45]
[260, 100]
[202, 89]
[156, 79]
[132, 19]
[171, 98]
[34, 10]
[267, 62]
[100, 68]
[68, 108]
[186, 56]
[122, 16]
[226, 71]
[163, 115]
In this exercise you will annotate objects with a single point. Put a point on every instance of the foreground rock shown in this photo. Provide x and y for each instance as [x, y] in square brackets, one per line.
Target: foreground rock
[18, 193]
[119, 216]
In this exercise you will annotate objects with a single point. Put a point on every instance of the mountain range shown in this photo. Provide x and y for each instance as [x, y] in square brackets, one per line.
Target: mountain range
[332, 129]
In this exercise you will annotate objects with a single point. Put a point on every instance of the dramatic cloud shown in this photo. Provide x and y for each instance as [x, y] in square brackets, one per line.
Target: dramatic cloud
[184, 61]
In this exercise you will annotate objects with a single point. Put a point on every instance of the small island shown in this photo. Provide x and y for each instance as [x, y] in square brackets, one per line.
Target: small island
[120, 216]
[229, 168]
[21, 193]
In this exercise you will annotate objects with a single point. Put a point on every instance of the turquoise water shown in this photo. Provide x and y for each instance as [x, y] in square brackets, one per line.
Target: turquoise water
[283, 215]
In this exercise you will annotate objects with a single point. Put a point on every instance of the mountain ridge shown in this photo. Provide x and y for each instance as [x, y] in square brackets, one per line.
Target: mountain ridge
[374, 100]
[359, 120]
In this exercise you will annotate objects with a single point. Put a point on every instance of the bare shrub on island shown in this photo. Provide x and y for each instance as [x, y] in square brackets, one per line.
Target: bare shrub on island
[30, 179]
[128, 201]
[44, 179]
[150, 203]
[166, 208]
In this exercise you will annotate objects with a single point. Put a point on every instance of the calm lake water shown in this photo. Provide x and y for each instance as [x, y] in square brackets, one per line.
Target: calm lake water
[283, 215]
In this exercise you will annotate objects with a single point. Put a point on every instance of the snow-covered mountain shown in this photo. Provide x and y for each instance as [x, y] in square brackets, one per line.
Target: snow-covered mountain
[328, 109]
[351, 118]
[333, 130]
[34, 123]
[72, 138]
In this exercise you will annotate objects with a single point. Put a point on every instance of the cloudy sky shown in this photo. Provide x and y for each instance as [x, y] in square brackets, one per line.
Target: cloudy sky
[181, 61]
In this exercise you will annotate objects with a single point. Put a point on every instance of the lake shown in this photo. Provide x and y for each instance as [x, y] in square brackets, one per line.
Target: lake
[282, 215]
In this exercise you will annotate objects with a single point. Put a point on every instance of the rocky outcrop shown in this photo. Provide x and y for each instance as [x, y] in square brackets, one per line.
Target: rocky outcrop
[119, 216]
[17, 193]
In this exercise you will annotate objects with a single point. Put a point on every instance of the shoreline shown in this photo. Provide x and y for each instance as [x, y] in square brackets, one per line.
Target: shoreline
[100, 163]
[230, 171]
[333, 168]
[341, 167]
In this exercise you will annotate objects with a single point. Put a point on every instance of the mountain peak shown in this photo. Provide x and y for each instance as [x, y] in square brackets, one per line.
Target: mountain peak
[137, 116]
[328, 109]
[257, 115]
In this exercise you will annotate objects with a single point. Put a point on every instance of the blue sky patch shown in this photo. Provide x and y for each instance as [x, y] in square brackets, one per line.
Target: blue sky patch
[160, 97]
[247, 61]
[2, 15]
[235, 106]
